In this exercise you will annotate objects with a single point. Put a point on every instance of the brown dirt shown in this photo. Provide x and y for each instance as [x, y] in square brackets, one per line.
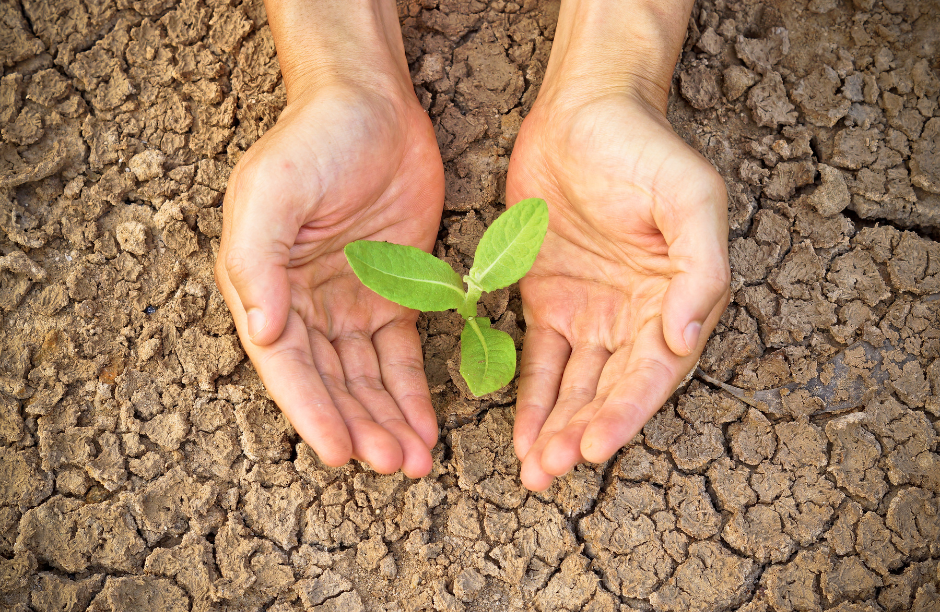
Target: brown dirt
[142, 466]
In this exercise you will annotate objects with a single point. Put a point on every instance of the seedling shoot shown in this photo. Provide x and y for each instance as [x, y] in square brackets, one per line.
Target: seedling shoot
[415, 279]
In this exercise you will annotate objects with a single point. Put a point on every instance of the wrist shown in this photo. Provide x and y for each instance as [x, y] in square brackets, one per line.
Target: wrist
[615, 46]
[339, 42]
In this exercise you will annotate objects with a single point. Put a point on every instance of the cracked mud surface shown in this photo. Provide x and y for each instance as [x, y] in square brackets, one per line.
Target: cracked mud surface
[142, 466]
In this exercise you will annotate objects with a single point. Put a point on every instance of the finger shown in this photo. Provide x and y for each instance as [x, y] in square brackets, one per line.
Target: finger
[287, 369]
[290, 375]
[570, 436]
[698, 248]
[652, 373]
[364, 381]
[398, 347]
[578, 388]
[371, 442]
[562, 451]
[260, 226]
[544, 355]
[533, 477]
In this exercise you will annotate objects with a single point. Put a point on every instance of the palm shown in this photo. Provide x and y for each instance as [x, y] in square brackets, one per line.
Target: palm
[384, 188]
[618, 182]
[347, 369]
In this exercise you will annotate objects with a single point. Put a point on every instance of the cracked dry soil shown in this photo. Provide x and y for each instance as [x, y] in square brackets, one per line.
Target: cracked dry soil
[142, 466]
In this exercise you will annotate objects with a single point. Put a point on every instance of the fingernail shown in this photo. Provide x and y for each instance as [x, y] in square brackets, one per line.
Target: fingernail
[256, 322]
[692, 332]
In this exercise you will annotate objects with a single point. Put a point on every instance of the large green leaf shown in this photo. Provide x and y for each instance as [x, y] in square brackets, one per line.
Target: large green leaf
[509, 246]
[405, 275]
[487, 357]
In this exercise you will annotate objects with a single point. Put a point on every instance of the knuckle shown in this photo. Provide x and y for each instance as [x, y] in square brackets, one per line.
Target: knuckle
[332, 382]
[352, 420]
[408, 363]
[650, 368]
[287, 355]
[365, 381]
[536, 371]
[713, 280]
[239, 262]
[618, 409]
[392, 421]
[581, 420]
[576, 393]
[722, 278]
[219, 271]
[529, 404]
[725, 298]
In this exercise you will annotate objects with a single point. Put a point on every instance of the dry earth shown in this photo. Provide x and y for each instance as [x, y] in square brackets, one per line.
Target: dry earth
[142, 466]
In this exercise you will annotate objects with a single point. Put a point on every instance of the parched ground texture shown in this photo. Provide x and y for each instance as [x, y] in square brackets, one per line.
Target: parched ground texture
[142, 466]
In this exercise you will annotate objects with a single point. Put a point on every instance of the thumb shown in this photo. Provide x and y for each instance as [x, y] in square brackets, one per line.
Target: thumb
[258, 231]
[698, 250]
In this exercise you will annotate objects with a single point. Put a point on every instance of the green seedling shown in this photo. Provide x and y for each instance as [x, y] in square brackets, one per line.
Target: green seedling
[415, 279]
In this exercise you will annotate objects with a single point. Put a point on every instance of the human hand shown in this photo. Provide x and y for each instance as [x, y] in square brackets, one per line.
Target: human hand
[633, 275]
[352, 156]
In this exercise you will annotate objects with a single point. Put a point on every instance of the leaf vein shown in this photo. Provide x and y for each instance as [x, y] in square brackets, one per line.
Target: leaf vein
[486, 351]
[411, 278]
[506, 251]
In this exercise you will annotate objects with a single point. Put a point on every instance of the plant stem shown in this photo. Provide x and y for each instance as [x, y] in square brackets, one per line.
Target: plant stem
[468, 309]
[476, 329]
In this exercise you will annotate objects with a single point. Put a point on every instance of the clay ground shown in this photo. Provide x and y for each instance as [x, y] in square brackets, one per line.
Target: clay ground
[142, 466]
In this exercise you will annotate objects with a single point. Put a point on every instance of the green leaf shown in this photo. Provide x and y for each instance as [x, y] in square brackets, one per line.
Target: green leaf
[487, 357]
[509, 246]
[405, 275]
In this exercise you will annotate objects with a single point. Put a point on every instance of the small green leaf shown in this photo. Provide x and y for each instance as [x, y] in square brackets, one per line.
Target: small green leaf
[509, 246]
[405, 275]
[487, 357]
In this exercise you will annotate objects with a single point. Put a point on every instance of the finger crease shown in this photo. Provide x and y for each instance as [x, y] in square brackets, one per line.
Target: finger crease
[369, 382]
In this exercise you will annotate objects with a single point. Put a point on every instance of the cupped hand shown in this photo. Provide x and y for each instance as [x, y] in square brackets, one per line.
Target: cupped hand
[632, 277]
[344, 162]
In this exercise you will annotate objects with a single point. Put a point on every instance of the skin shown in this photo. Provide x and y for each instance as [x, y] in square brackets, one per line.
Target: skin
[353, 156]
[632, 277]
